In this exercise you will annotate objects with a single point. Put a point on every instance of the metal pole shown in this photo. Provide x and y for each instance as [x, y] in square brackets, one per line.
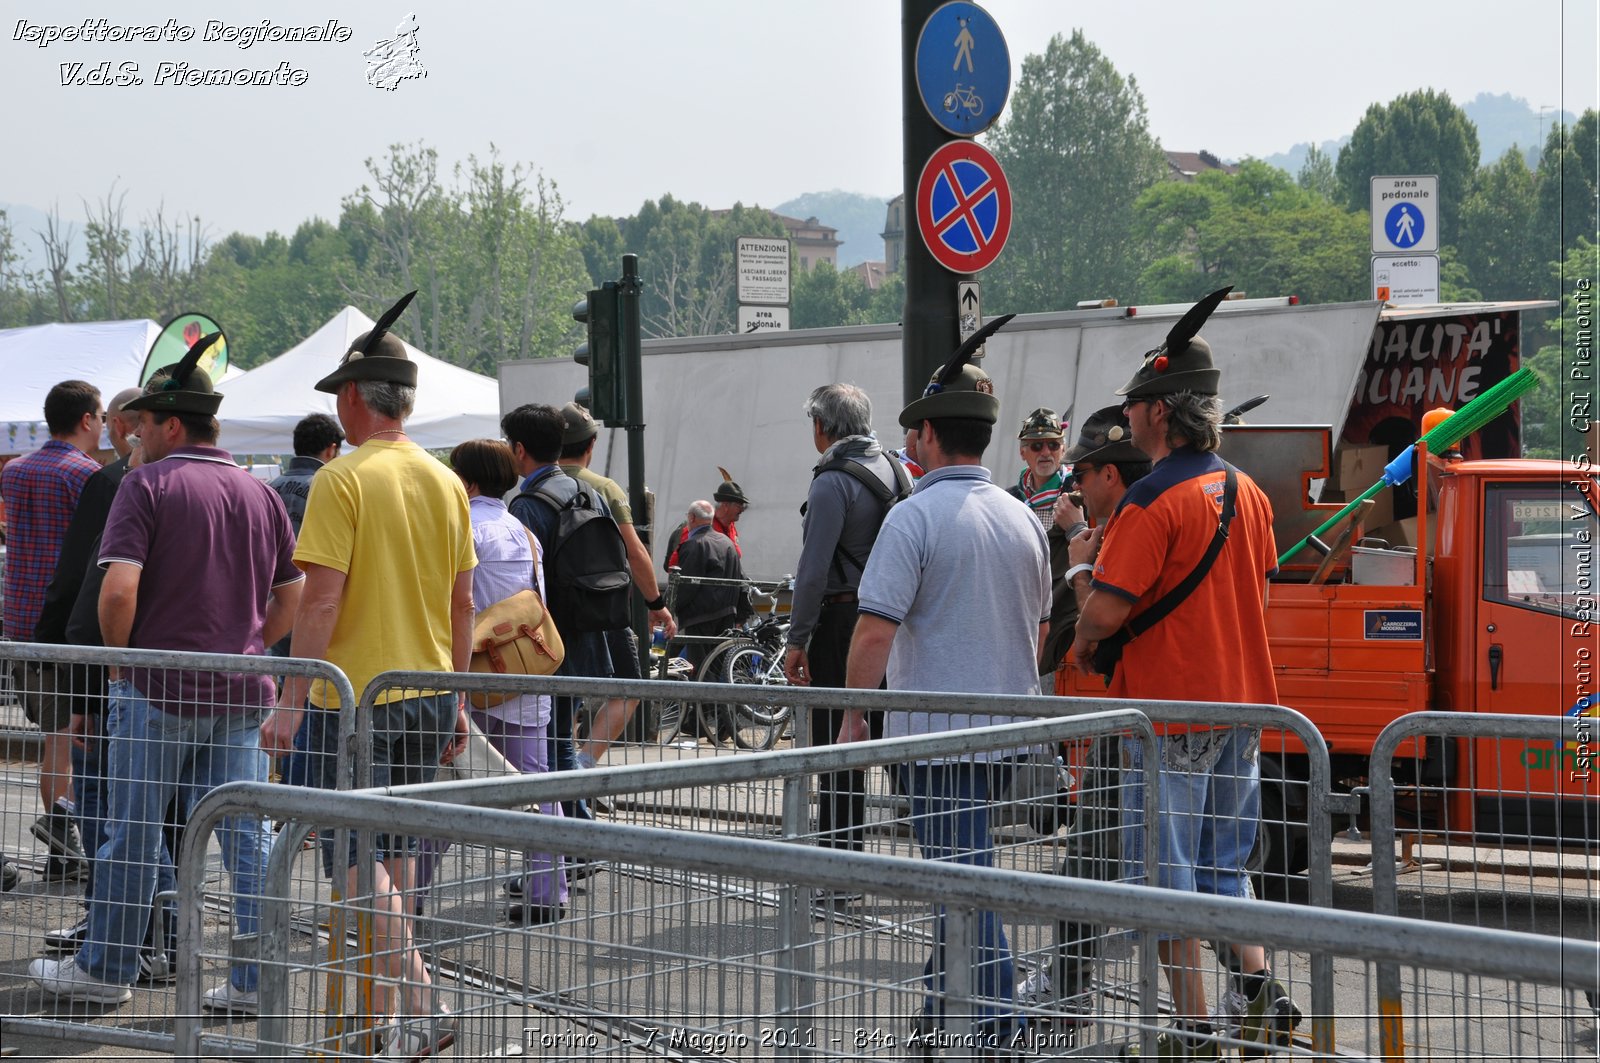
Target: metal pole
[631, 347]
[930, 325]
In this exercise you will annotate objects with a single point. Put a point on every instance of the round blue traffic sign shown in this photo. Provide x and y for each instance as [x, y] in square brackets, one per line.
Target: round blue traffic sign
[1404, 225]
[963, 68]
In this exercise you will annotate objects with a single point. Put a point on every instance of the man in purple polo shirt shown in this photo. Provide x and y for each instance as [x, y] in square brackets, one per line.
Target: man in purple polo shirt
[41, 490]
[199, 557]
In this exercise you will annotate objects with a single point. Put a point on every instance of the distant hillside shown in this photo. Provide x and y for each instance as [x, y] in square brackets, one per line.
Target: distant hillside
[27, 222]
[1507, 120]
[1502, 121]
[1293, 159]
[859, 219]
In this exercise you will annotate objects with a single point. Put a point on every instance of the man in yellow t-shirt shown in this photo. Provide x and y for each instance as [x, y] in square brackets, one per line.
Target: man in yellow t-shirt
[387, 550]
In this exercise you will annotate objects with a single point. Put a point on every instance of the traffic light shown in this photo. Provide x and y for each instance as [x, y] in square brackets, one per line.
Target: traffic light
[601, 312]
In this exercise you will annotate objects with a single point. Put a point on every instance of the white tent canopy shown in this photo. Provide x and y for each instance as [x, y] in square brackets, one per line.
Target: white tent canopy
[263, 405]
[108, 354]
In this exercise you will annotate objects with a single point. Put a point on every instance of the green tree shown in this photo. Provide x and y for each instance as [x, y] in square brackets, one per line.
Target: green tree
[1316, 174]
[1557, 412]
[1257, 230]
[1567, 184]
[1505, 253]
[686, 261]
[824, 297]
[1077, 148]
[1422, 132]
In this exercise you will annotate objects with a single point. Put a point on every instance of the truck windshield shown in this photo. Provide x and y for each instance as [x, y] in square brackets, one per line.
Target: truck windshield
[1539, 548]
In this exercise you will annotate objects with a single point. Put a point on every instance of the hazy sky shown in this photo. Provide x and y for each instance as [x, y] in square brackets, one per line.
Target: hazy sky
[710, 100]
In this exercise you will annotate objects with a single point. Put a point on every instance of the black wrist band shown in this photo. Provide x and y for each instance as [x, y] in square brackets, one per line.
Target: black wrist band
[658, 602]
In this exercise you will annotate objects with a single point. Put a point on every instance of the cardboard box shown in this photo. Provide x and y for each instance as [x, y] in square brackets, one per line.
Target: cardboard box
[1398, 533]
[1359, 468]
[1379, 511]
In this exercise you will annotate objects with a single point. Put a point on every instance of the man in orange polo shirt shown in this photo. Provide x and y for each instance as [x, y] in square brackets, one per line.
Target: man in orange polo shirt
[1212, 646]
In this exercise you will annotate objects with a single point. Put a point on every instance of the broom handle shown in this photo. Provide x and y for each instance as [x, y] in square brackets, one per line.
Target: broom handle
[1349, 508]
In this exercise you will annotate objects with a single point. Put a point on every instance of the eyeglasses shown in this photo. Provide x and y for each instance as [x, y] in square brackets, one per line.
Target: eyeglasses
[1128, 404]
[1044, 444]
[1077, 475]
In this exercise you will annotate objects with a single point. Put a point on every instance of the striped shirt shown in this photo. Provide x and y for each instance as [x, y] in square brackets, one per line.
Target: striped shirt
[40, 491]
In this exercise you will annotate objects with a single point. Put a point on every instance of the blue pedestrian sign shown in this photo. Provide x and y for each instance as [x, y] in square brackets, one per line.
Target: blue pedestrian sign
[963, 68]
[1404, 225]
[1405, 214]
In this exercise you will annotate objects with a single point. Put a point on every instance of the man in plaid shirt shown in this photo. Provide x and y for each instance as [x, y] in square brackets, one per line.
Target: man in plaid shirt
[41, 491]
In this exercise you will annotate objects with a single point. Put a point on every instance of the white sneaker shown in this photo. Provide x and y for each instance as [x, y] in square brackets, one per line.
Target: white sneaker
[417, 1039]
[156, 967]
[64, 978]
[1036, 990]
[226, 998]
[1228, 1016]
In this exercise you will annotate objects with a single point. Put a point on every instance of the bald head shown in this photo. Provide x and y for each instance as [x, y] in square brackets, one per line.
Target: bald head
[699, 513]
[120, 425]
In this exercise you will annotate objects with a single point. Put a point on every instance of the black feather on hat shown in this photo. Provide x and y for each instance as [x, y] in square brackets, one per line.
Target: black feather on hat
[959, 388]
[185, 387]
[376, 355]
[1183, 362]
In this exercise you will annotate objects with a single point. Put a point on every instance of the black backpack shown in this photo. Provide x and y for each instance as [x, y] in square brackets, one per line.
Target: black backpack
[886, 496]
[586, 572]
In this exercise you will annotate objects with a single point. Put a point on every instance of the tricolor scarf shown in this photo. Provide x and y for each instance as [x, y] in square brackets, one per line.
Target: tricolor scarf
[1041, 500]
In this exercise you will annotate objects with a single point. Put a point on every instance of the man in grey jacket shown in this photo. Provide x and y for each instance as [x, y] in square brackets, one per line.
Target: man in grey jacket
[852, 486]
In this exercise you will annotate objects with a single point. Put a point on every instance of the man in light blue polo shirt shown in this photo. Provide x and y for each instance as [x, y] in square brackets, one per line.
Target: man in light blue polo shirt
[955, 598]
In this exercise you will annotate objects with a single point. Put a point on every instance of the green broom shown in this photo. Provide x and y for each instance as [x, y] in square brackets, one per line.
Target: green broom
[1444, 435]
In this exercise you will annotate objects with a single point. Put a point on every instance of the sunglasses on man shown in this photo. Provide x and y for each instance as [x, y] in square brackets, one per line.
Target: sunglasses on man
[1044, 444]
[1079, 473]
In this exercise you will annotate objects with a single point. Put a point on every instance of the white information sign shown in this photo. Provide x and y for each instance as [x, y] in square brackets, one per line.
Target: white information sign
[763, 263]
[763, 319]
[1405, 215]
[1401, 279]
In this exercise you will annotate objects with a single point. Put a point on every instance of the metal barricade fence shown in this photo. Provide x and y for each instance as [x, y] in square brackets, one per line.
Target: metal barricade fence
[147, 751]
[1497, 820]
[665, 981]
[760, 795]
[1076, 833]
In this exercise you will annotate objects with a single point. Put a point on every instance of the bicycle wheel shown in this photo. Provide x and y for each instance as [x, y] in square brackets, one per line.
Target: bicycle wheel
[756, 725]
[715, 717]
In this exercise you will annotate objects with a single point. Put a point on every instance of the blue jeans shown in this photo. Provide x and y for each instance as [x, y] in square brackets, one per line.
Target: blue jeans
[91, 797]
[1208, 812]
[950, 817]
[152, 757]
[408, 737]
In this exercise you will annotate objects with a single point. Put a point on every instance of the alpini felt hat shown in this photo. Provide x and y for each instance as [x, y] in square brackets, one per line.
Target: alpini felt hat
[1183, 362]
[185, 388]
[1104, 439]
[958, 388]
[375, 355]
[1042, 424]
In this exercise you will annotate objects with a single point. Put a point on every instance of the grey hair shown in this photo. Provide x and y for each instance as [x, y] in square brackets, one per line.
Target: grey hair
[841, 409]
[1194, 420]
[386, 398]
[700, 510]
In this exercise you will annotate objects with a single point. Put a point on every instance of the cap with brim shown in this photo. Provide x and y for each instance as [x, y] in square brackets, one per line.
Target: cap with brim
[970, 395]
[386, 361]
[729, 491]
[1105, 438]
[1041, 424]
[1183, 362]
[577, 425]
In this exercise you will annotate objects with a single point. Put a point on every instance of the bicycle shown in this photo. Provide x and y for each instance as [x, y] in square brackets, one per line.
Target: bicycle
[755, 658]
[669, 717]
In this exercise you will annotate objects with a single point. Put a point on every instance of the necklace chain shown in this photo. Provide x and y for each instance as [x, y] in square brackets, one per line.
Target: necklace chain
[390, 432]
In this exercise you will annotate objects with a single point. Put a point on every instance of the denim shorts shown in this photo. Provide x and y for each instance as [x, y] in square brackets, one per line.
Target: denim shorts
[408, 737]
[1209, 801]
